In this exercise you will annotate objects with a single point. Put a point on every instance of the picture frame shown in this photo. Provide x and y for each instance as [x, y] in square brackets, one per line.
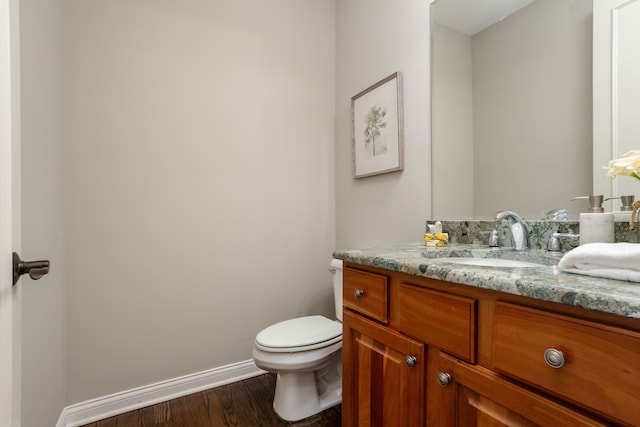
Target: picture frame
[377, 128]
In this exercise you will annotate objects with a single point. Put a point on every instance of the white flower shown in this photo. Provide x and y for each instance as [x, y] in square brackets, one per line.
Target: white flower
[628, 164]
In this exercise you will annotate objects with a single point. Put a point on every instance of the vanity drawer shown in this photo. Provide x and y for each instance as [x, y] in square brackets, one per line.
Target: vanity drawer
[600, 364]
[444, 320]
[367, 293]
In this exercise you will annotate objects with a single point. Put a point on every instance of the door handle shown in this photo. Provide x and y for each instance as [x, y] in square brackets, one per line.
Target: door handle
[35, 269]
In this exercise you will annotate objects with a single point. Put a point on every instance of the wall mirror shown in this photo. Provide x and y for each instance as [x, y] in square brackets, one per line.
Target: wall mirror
[512, 107]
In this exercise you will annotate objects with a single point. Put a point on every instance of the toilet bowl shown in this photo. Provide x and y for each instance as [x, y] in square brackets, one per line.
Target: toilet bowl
[306, 355]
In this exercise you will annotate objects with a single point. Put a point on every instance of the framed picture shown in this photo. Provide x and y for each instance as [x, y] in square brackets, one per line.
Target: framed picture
[376, 132]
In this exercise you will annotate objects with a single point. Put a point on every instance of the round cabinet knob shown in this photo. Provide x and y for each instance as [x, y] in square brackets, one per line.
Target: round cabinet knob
[410, 361]
[554, 358]
[358, 293]
[444, 378]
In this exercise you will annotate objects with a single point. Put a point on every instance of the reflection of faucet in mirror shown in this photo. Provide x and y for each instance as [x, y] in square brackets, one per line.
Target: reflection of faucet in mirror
[519, 231]
[556, 215]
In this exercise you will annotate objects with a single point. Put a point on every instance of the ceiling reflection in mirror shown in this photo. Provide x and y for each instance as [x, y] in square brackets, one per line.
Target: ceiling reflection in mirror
[511, 107]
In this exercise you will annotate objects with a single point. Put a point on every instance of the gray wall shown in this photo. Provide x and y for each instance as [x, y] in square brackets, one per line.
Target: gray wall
[199, 182]
[375, 39]
[201, 187]
[43, 302]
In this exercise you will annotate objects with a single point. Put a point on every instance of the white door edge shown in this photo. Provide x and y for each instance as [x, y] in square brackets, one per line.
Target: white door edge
[10, 332]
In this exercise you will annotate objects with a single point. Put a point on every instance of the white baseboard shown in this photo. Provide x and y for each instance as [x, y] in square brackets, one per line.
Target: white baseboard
[129, 400]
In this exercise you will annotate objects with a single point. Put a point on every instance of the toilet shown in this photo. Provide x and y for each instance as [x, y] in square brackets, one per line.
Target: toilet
[306, 355]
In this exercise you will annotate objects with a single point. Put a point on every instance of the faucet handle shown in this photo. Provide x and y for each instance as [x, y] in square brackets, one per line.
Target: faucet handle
[493, 239]
[553, 245]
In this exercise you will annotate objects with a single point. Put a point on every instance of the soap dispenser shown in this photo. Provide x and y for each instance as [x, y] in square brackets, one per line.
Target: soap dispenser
[596, 225]
[623, 213]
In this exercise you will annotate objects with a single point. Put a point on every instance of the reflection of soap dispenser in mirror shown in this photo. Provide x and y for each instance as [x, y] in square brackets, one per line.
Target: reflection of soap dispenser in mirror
[596, 225]
[623, 213]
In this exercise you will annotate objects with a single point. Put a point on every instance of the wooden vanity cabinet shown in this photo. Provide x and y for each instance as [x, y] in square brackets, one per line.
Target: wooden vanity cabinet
[383, 375]
[383, 370]
[423, 352]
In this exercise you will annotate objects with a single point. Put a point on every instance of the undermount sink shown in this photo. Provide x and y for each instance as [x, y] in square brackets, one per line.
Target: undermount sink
[490, 262]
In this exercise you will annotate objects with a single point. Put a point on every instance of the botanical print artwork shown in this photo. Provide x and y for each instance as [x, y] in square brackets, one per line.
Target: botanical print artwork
[375, 138]
[376, 120]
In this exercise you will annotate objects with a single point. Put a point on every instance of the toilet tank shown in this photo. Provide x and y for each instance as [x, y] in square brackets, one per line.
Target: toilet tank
[336, 271]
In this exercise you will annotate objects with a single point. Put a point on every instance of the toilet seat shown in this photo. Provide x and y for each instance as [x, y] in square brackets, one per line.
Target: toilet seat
[299, 334]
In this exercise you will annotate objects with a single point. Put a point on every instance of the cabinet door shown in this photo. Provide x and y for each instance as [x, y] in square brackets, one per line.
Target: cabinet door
[383, 376]
[470, 395]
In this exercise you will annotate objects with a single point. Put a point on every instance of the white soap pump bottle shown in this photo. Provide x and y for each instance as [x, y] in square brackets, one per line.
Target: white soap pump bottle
[596, 226]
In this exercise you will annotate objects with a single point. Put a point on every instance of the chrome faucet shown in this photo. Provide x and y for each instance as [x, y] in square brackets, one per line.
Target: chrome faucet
[518, 228]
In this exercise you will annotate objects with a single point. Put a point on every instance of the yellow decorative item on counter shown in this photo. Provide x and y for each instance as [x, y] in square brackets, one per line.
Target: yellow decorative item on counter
[436, 240]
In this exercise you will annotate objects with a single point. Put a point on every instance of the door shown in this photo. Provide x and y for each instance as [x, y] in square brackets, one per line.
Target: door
[9, 238]
[383, 376]
[616, 91]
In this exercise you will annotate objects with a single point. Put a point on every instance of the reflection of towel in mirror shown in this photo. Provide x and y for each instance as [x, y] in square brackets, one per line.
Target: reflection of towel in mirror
[620, 261]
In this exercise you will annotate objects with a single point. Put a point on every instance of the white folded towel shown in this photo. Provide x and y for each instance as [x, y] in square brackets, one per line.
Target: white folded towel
[620, 261]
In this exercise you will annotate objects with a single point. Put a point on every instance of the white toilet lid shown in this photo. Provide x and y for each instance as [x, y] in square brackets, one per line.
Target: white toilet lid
[300, 332]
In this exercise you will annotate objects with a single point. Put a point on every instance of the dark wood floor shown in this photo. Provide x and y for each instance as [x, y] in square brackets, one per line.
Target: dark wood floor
[245, 403]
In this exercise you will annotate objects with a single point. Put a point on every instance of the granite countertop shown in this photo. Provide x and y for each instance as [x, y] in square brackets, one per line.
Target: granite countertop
[545, 282]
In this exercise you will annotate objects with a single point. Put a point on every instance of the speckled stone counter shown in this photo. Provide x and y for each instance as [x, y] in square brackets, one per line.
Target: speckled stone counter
[543, 283]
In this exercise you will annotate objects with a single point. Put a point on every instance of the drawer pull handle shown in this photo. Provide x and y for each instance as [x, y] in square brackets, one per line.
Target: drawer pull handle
[358, 293]
[444, 378]
[410, 361]
[554, 358]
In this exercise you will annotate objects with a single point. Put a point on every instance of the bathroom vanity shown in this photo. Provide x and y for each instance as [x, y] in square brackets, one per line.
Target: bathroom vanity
[431, 343]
